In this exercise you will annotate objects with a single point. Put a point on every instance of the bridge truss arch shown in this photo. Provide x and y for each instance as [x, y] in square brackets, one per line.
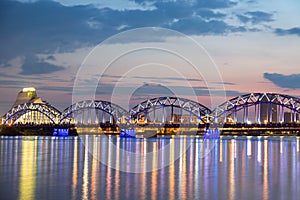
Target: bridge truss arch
[275, 104]
[117, 114]
[192, 107]
[35, 113]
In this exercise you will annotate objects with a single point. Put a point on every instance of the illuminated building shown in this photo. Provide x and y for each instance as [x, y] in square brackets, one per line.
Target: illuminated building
[29, 95]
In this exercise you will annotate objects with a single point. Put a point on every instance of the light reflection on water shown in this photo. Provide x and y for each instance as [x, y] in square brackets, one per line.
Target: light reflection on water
[69, 168]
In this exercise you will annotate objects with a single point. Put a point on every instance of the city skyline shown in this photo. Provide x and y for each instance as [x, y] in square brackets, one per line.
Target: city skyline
[254, 44]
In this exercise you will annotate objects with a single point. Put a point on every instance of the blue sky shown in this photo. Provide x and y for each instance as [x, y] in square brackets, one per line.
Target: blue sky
[254, 43]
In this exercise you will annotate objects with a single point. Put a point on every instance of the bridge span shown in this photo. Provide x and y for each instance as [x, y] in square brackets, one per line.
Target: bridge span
[257, 111]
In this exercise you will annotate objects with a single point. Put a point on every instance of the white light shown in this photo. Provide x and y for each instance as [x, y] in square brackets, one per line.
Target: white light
[29, 89]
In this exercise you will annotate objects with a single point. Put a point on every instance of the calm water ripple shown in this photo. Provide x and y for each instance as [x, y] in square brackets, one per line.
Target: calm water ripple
[70, 168]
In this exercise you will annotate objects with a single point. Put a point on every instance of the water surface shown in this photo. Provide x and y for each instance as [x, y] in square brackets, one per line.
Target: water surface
[72, 168]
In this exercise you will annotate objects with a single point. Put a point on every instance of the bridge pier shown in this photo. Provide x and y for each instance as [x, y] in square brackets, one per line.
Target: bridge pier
[245, 115]
[163, 114]
[181, 112]
[110, 119]
[258, 113]
[82, 117]
[102, 116]
[89, 120]
[235, 115]
[282, 113]
[225, 116]
[154, 116]
[270, 112]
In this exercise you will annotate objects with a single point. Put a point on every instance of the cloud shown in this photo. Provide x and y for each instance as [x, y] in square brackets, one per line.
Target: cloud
[154, 90]
[33, 66]
[255, 17]
[196, 26]
[291, 81]
[48, 26]
[292, 31]
[212, 4]
[224, 83]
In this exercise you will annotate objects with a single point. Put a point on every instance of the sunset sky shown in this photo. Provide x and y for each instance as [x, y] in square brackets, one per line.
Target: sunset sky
[254, 44]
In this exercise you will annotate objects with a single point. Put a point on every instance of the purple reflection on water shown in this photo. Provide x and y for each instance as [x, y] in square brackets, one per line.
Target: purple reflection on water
[54, 168]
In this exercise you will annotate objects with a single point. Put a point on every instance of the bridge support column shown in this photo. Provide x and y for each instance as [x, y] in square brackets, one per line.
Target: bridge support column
[30, 117]
[181, 112]
[172, 113]
[191, 117]
[245, 115]
[235, 115]
[225, 116]
[295, 116]
[255, 113]
[154, 117]
[271, 113]
[74, 119]
[110, 119]
[282, 113]
[103, 117]
[89, 116]
[216, 119]
[258, 113]
[96, 117]
[163, 114]
[146, 116]
[82, 117]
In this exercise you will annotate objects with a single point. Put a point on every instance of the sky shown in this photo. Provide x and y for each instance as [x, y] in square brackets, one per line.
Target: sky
[254, 45]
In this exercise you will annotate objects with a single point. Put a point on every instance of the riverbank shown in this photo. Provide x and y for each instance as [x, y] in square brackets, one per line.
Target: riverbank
[36, 130]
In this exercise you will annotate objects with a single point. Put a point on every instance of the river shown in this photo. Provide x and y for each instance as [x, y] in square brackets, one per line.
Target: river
[101, 167]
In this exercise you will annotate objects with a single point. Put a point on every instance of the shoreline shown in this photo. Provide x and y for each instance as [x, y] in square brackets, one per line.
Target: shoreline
[35, 131]
[72, 131]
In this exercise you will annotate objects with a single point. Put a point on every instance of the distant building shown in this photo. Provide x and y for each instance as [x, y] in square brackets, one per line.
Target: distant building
[28, 95]
[189, 119]
[265, 112]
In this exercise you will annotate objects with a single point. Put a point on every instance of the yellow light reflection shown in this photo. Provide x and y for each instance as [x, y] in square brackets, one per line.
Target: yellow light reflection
[144, 164]
[85, 180]
[154, 174]
[221, 151]
[196, 170]
[28, 170]
[94, 169]
[117, 183]
[108, 174]
[231, 170]
[172, 172]
[259, 151]
[248, 147]
[75, 168]
[265, 172]
[281, 146]
[184, 175]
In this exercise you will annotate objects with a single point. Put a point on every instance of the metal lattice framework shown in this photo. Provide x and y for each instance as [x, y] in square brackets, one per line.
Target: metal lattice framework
[251, 99]
[49, 111]
[114, 110]
[193, 107]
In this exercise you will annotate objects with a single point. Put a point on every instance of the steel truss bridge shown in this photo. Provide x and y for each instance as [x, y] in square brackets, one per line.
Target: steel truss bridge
[248, 109]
